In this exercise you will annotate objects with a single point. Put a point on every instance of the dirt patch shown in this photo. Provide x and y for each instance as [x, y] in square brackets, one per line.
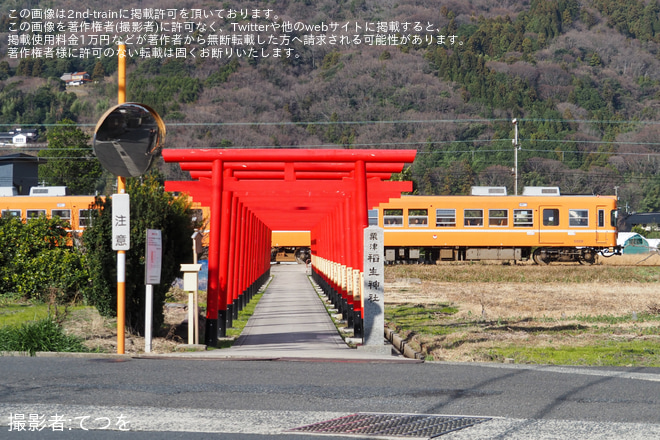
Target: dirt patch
[530, 300]
[99, 333]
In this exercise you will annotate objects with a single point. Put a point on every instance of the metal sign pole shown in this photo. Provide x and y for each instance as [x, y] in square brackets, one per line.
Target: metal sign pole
[148, 314]
[152, 272]
[197, 249]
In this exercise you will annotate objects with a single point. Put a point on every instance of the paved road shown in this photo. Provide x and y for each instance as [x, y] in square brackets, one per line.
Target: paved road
[225, 398]
[214, 397]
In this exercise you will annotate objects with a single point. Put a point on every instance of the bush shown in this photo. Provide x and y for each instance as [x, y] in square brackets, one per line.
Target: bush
[59, 271]
[42, 335]
[151, 208]
[35, 259]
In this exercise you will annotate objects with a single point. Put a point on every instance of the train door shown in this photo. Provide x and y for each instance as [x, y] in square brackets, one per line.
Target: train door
[550, 225]
[601, 223]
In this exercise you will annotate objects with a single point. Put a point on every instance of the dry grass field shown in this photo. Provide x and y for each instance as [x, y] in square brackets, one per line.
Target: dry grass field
[496, 312]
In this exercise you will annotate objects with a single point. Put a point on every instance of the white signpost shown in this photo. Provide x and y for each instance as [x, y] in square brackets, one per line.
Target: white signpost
[121, 222]
[373, 288]
[152, 269]
[190, 285]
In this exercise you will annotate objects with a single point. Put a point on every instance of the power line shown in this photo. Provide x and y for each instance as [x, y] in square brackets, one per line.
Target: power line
[362, 122]
[435, 151]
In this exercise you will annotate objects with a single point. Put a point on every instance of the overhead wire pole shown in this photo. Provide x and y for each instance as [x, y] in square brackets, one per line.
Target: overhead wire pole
[126, 139]
[515, 155]
[121, 189]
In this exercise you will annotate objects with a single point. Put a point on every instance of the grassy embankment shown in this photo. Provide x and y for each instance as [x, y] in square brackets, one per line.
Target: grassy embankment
[30, 328]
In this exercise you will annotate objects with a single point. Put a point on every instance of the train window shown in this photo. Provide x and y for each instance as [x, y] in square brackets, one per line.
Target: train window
[34, 213]
[550, 217]
[601, 218]
[578, 217]
[64, 214]
[9, 213]
[473, 217]
[418, 218]
[373, 217]
[523, 218]
[614, 216]
[498, 217]
[85, 217]
[445, 218]
[392, 218]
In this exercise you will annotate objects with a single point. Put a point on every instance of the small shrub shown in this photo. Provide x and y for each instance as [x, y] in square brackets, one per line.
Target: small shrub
[42, 335]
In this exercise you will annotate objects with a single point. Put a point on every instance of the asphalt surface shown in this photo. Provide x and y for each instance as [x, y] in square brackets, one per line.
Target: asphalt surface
[267, 394]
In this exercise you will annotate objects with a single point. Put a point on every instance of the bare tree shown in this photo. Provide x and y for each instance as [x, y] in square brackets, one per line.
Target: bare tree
[496, 175]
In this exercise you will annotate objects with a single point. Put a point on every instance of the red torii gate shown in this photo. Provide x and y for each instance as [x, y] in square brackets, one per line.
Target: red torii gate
[253, 192]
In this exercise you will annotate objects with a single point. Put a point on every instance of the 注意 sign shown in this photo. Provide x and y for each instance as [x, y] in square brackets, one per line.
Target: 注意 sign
[121, 222]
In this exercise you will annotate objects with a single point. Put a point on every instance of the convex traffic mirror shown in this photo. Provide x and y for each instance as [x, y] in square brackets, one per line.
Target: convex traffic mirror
[127, 138]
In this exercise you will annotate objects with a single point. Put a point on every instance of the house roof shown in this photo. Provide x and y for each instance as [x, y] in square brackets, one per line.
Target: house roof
[21, 157]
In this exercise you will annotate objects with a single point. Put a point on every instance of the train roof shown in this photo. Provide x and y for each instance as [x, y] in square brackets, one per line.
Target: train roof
[541, 191]
[488, 190]
[48, 191]
[509, 196]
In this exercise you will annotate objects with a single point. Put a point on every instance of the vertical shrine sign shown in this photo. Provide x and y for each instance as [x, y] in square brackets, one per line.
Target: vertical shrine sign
[121, 222]
[153, 257]
[373, 287]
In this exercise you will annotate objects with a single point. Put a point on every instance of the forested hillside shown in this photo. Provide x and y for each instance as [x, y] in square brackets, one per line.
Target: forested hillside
[582, 78]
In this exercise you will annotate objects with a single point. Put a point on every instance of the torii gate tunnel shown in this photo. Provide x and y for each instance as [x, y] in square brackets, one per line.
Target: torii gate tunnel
[252, 192]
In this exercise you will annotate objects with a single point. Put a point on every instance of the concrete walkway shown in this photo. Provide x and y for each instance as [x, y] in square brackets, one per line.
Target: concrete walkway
[290, 319]
[291, 322]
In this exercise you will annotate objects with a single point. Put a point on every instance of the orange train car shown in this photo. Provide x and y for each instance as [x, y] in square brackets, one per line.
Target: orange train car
[49, 202]
[290, 246]
[489, 225]
[540, 224]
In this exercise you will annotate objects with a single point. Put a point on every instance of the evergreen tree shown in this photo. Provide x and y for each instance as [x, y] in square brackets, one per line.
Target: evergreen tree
[651, 201]
[151, 208]
[70, 161]
[99, 72]
[36, 261]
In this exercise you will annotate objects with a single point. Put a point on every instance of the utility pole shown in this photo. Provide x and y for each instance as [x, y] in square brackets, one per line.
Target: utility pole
[515, 156]
[125, 153]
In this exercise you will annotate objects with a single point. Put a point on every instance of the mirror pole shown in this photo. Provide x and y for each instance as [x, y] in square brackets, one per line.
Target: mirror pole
[121, 74]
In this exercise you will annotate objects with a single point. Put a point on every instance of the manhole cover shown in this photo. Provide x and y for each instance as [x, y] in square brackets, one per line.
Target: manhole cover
[392, 425]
